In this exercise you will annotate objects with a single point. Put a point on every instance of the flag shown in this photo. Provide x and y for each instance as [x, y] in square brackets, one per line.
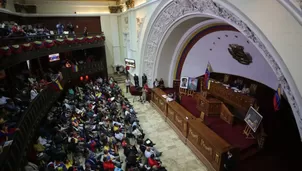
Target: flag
[75, 68]
[57, 85]
[277, 99]
[207, 77]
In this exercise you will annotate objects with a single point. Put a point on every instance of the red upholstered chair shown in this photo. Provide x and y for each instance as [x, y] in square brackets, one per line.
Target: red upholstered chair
[135, 92]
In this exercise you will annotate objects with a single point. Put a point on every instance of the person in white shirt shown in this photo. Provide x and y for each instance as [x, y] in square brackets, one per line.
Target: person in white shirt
[33, 93]
[119, 136]
[127, 112]
[151, 150]
[128, 83]
[155, 83]
[136, 132]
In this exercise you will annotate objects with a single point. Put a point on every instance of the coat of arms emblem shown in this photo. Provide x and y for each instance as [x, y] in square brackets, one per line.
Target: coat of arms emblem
[239, 55]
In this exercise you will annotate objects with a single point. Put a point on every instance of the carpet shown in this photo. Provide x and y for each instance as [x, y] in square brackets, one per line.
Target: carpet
[232, 134]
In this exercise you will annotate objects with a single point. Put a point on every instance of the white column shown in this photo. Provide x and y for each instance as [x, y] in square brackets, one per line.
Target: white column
[115, 40]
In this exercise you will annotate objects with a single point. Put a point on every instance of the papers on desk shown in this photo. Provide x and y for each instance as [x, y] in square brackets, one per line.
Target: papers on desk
[169, 99]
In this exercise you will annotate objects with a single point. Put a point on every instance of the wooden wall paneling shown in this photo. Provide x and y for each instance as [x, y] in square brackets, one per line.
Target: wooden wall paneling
[9, 17]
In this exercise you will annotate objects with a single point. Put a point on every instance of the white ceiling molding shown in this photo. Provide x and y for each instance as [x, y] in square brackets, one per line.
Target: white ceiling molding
[170, 11]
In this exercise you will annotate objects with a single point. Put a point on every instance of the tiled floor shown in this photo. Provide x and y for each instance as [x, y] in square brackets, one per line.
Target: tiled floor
[176, 155]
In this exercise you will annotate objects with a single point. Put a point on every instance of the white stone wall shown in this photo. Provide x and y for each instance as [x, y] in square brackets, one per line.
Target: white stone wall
[133, 25]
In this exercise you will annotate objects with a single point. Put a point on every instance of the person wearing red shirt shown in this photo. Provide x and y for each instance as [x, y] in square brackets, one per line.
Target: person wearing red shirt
[152, 162]
[144, 94]
[108, 164]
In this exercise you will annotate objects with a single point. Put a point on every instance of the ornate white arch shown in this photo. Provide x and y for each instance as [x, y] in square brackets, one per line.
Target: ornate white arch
[173, 10]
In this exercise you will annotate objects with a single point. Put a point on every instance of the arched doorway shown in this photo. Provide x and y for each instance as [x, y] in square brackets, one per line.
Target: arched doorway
[173, 12]
[176, 20]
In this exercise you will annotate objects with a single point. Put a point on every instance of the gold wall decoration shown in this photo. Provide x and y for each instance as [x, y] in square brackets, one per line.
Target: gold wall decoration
[139, 26]
[115, 8]
[207, 148]
[130, 4]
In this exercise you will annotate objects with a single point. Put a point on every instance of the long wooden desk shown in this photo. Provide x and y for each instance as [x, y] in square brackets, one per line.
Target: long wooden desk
[207, 145]
[228, 96]
[204, 143]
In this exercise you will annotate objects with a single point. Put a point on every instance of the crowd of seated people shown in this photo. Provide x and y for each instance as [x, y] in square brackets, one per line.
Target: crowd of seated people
[12, 108]
[12, 29]
[88, 129]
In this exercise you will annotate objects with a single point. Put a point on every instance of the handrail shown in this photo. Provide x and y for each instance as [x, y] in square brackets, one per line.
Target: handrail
[12, 158]
[8, 41]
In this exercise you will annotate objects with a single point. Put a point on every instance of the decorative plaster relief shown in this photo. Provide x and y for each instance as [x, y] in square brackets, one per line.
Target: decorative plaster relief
[139, 26]
[175, 10]
[126, 24]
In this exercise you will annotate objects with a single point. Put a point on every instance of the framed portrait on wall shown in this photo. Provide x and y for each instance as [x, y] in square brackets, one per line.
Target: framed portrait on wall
[253, 119]
[193, 82]
[184, 82]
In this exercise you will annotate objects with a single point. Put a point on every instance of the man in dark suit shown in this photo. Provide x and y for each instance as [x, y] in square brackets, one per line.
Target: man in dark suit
[144, 79]
[136, 81]
[229, 162]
